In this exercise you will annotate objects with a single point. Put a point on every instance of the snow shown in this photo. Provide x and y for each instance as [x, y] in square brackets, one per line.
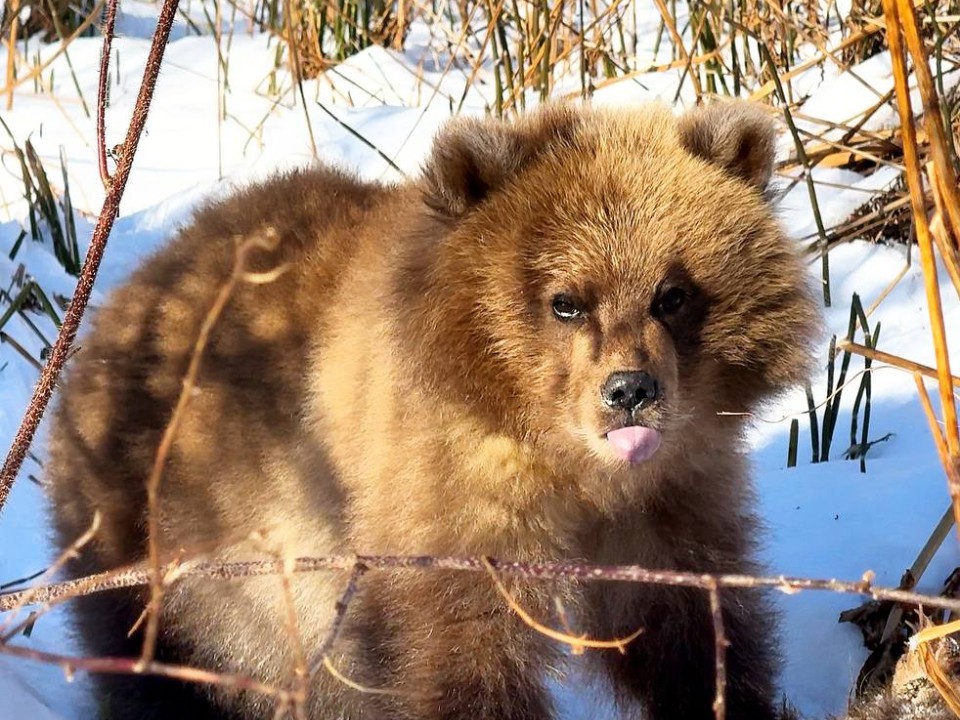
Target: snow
[823, 520]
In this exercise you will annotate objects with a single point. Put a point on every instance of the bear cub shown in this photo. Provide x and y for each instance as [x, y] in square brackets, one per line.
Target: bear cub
[544, 347]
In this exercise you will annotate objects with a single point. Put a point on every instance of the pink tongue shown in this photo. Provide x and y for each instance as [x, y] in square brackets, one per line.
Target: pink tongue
[634, 444]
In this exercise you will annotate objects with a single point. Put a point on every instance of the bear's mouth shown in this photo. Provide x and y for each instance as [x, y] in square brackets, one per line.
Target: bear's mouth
[634, 444]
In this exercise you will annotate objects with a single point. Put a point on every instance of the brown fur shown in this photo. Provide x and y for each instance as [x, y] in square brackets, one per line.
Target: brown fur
[405, 388]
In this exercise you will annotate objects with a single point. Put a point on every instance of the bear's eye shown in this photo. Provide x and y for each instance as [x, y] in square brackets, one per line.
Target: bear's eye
[669, 302]
[565, 308]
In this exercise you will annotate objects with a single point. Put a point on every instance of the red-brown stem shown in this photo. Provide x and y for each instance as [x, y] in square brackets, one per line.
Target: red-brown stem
[88, 274]
[108, 26]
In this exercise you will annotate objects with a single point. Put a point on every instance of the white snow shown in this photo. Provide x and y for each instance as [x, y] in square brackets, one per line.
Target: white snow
[823, 520]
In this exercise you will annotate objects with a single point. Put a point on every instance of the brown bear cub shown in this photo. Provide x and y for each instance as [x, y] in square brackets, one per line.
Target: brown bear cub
[529, 352]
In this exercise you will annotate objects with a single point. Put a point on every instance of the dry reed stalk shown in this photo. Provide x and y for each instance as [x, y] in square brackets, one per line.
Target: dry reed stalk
[678, 44]
[927, 261]
[14, 11]
[932, 115]
[952, 471]
[940, 234]
[894, 360]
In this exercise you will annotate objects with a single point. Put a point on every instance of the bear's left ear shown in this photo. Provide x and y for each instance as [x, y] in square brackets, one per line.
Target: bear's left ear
[735, 135]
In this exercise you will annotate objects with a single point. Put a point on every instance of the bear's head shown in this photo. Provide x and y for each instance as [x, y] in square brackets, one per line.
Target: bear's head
[607, 283]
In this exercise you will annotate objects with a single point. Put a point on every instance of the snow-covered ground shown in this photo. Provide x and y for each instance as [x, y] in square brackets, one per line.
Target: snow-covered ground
[824, 520]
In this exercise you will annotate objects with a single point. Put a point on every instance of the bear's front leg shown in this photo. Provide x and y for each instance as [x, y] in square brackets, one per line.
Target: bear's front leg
[448, 648]
[670, 667]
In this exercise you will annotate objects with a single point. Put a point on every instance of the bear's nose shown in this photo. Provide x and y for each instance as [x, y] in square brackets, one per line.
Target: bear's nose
[629, 390]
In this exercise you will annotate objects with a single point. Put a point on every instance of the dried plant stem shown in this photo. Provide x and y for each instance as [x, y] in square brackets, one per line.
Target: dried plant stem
[245, 245]
[71, 552]
[932, 114]
[38, 70]
[140, 575]
[938, 227]
[949, 467]
[132, 666]
[339, 616]
[102, 86]
[292, 47]
[301, 685]
[577, 643]
[88, 274]
[807, 175]
[671, 26]
[720, 653]
[915, 182]
[14, 11]
[894, 360]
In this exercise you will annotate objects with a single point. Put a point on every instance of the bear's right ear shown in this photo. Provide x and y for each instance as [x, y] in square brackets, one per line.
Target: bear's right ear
[736, 135]
[472, 157]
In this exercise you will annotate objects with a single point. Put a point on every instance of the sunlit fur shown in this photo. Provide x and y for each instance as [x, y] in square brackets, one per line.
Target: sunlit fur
[405, 388]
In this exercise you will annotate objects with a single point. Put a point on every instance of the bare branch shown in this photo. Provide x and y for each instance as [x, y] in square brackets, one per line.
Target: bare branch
[140, 575]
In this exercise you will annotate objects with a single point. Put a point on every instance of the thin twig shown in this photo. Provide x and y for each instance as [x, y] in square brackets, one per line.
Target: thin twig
[132, 666]
[102, 89]
[266, 241]
[720, 644]
[68, 554]
[577, 643]
[301, 686]
[88, 274]
[339, 616]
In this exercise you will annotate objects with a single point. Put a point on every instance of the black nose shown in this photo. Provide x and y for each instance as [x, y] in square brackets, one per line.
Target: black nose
[629, 390]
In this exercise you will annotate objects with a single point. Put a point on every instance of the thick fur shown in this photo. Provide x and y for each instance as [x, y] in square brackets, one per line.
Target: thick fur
[406, 388]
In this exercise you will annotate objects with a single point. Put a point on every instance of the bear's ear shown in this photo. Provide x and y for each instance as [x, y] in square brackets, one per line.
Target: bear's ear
[472, 157]
[735, 135]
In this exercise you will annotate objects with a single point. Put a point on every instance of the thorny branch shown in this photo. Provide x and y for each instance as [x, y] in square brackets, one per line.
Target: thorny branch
[140, 575]
[111, 206]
